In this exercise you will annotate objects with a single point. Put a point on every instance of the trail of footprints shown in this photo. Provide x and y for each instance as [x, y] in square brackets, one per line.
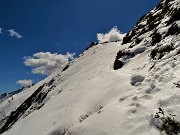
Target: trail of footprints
[164, 77]
[147, 87]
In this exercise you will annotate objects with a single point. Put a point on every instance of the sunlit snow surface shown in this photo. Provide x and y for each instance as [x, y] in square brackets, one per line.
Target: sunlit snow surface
[95, 99]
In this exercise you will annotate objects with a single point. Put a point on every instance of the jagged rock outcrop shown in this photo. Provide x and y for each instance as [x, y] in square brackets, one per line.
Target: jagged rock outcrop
[164, 15]
[161, 22]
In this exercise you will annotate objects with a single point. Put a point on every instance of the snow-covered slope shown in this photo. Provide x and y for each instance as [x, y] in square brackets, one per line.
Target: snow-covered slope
[89, 97]
[82, 90]
[11, 103]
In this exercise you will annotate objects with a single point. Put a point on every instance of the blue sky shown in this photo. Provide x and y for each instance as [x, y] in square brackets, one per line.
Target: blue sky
[57, 26]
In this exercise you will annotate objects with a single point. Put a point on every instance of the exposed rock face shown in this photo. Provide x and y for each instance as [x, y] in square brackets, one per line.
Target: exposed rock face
[151, 29]
[164, 15]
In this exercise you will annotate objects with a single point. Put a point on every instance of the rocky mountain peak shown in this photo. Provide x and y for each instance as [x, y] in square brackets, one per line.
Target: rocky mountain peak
[157, 24]
[159, 29]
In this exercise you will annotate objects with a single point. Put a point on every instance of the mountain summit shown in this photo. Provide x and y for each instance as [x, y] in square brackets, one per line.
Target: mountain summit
[161, 22]
[114, 88]
[159, 25]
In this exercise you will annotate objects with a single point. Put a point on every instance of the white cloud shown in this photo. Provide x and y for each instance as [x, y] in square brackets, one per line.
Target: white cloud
[113, 35]
[13, 33]
[0, 30]
[24, 83]
[47, 63]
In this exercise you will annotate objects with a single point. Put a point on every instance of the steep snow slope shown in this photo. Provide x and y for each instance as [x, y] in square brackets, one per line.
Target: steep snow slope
[84, 88]
[91, 98]
[13, 102]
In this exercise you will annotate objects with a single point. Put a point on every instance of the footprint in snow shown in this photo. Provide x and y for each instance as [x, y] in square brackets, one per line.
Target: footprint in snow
[137, 80]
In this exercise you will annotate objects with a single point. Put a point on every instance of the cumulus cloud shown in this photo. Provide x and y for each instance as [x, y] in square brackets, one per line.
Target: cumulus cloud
[47, 63]
[113, 35]
[13, 33]
[24, 83]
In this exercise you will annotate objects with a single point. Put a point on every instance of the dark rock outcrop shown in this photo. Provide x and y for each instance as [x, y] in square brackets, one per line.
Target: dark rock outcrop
[152, 20]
